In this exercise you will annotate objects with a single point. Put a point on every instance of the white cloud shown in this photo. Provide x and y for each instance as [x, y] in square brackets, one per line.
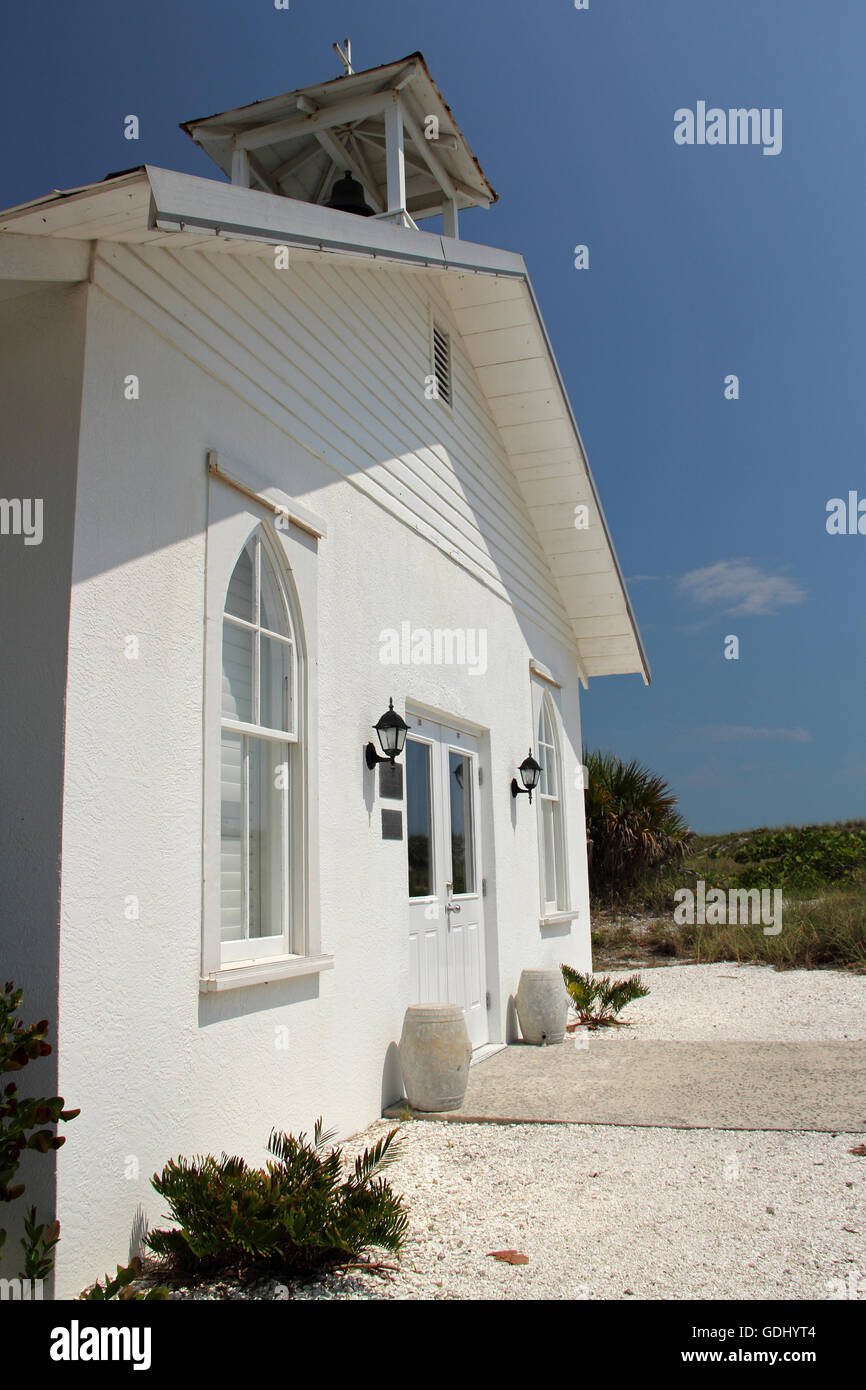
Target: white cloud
[739, 733]
[741, 588]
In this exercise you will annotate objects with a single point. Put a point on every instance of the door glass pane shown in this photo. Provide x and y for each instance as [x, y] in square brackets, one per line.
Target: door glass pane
[419, 820]
[462, 836]
[237, 696]
[267, 792]
[276, 684]
[231, 868]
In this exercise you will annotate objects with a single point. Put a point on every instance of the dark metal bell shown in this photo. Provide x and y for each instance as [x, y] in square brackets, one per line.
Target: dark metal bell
[347, 195]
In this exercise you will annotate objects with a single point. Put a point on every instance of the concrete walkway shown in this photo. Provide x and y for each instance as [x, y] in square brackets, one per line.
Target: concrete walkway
[682, 1085]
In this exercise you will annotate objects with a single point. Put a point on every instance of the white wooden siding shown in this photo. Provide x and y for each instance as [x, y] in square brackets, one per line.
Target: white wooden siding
[336, 357]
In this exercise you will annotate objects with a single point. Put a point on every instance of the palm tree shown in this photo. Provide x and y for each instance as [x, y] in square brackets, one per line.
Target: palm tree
[631, 823]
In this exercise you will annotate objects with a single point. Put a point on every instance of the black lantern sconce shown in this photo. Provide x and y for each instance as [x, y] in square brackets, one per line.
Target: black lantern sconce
[391, 731]
[530, 771]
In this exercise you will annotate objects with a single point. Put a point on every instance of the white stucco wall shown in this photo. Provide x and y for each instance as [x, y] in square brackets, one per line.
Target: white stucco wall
[41, 364]
[156, 1067]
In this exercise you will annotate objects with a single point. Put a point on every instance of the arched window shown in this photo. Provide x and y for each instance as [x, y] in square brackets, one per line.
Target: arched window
[550, 818]
[259, 734]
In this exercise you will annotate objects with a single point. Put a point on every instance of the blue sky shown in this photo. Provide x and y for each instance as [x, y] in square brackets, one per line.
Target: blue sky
[704, 261]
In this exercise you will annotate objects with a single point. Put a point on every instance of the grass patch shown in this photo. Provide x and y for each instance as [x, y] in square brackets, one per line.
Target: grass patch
[827, 933]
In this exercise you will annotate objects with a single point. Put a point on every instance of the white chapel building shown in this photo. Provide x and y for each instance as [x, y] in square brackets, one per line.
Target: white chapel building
[275, 456]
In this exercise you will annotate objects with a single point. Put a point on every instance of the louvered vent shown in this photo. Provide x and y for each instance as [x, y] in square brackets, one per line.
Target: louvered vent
[442, 363]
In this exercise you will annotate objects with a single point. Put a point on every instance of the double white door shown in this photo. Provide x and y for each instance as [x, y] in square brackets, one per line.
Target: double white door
[446, 918]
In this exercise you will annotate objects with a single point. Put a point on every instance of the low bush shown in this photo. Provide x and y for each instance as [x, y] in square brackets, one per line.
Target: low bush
[803, 861]
[119, 1287]
[26, 1123]
[296, 1215]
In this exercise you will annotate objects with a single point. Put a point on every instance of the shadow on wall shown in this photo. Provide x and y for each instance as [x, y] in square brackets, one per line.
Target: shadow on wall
[219, 1005]
[138, 1231]
[392, 1077]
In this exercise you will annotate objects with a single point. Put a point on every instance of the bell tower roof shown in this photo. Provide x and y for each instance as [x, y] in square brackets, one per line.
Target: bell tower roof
[388, 127]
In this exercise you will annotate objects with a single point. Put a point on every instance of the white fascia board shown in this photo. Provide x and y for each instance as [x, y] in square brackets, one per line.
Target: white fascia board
[25, 257]
[182, 202]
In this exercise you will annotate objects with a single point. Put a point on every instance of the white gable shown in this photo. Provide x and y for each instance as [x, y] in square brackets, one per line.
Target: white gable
[500, 327]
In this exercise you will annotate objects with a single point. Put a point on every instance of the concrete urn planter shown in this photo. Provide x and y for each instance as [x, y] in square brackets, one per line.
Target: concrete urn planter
[542, 1006]
[434, 1055]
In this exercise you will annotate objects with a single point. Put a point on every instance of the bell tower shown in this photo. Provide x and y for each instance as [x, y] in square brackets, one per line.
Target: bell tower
[380, 143]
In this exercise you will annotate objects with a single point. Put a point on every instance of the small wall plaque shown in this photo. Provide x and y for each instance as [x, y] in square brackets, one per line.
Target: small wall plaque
[391, 781]
[392, 825]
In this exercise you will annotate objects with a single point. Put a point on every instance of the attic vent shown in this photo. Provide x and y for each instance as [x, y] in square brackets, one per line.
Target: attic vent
[442, 363]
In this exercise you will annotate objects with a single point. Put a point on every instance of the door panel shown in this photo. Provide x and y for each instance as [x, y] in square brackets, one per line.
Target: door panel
[446, 927]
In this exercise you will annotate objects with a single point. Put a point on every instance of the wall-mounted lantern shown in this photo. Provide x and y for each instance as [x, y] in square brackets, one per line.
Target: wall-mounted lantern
[530, 771]
[392, 731]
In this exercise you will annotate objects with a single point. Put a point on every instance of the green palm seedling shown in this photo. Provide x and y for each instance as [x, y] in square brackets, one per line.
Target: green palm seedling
[597, 1001]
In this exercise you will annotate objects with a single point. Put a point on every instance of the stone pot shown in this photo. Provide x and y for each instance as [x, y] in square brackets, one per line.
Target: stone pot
[542, 1006]
[434, 1055]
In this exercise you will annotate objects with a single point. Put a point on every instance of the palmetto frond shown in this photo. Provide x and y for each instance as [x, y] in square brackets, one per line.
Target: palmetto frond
[298, 1213]
[631, 821]
[597, 1001]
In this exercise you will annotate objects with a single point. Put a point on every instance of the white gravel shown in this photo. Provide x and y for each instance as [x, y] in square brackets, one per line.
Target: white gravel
[726, 1002]
[613, 1213]
[607, 1212]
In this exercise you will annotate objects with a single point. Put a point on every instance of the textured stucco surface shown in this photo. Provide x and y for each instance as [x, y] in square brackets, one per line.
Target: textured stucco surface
[157, 1068]
[41, 364]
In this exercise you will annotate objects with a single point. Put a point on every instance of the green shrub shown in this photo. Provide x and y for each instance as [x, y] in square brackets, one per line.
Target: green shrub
[295, 1215]
[39, 1242]
[804, 857]
[597, 1001]
[119, 1287]
[23, 1122]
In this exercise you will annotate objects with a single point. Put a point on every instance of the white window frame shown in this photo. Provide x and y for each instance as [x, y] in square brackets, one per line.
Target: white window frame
[235, 513]
[551, 909]
[282, 943]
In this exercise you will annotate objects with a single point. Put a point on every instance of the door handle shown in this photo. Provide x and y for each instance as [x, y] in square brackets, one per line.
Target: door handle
[452, 907]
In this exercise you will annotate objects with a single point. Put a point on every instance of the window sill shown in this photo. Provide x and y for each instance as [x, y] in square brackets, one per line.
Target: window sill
[261, 972]
[556, 919]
